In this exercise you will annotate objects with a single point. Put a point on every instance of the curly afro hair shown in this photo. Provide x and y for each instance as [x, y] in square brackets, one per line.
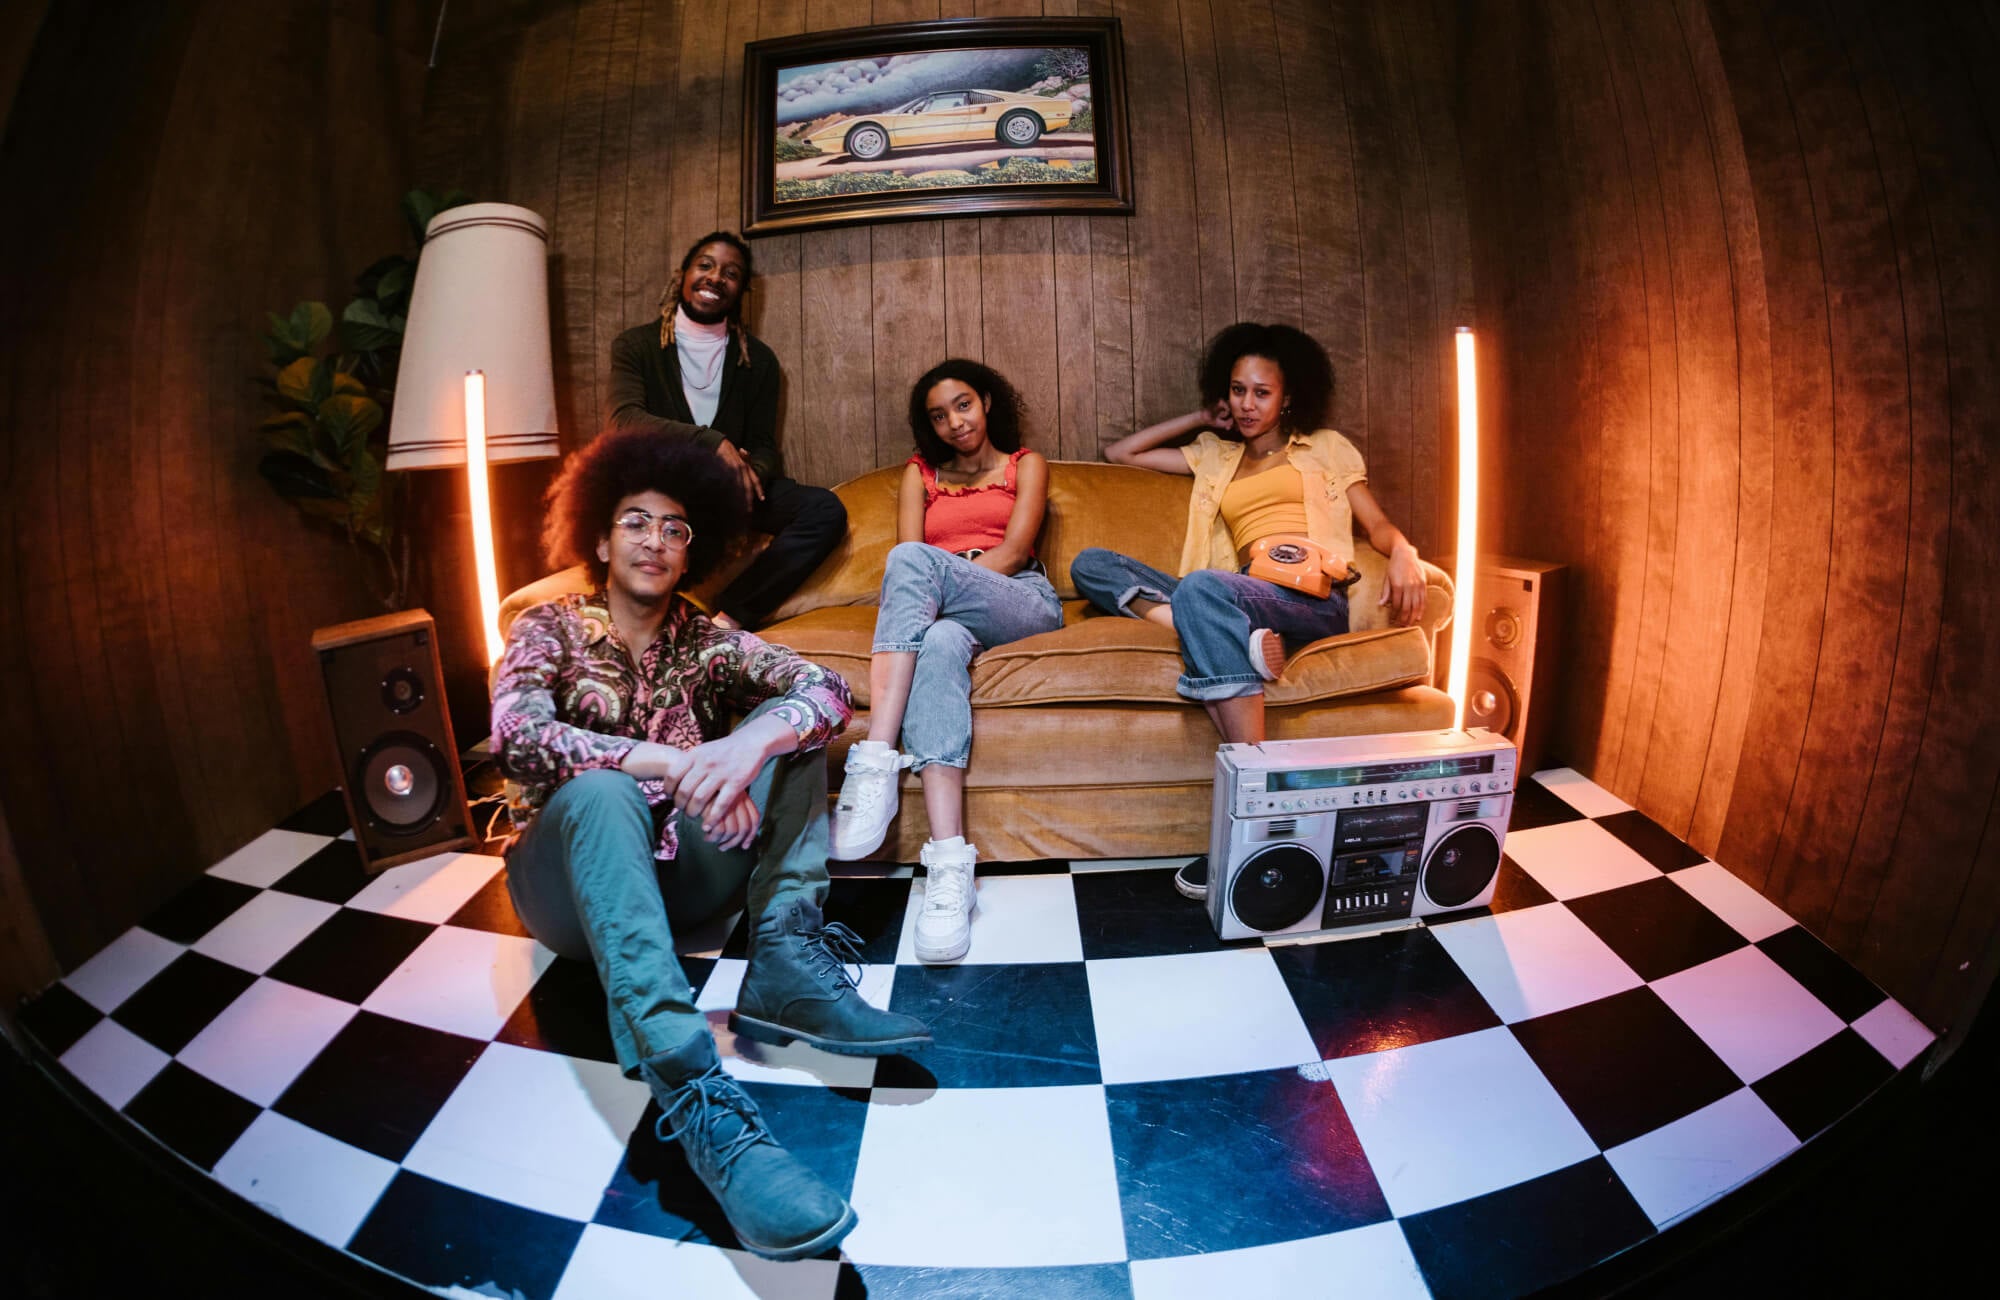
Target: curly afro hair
[618, 465]
[1003, 411]
[1299, 358]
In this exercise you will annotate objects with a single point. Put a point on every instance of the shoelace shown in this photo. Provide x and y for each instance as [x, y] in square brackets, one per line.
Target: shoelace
[696, 1105]
[944, 888]
[832, 949]
[855, 797]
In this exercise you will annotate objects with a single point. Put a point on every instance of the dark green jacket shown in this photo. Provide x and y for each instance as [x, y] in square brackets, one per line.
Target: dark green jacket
[646, 394]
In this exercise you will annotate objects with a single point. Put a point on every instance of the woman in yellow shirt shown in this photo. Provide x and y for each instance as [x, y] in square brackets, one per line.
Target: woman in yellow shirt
[1262, 466]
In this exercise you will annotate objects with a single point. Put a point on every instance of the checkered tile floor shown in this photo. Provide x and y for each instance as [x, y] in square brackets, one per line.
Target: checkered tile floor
[1117, 1104]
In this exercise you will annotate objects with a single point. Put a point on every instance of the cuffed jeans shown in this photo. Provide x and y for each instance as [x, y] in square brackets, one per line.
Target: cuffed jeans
[586, 884]
[1214, 613]
[946, 609]
[805, 524]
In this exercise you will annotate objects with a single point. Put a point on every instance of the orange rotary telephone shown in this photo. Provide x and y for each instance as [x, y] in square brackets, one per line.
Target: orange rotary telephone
[1296, 562]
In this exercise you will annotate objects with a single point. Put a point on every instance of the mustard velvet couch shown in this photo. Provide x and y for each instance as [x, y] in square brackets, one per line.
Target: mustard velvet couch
[1080, 747]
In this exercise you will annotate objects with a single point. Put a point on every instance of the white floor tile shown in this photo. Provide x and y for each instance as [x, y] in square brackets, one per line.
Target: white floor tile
[265, 1038]
[1018, 919]
[429, 889]
[313, 1182]
[1194, 1014]
[987, 1178]
[257, 934]
[267, 859]
[1571, 859]
[1456, 1118]
[745, 1058]
[1748, 912]
[1894, 1032]
[1689, 1162]
[613, 1264]
[114, 1062]
[1534, 961]
[1373, 1261]
[122, 968]
[462, 981]
[533, 1128]
[1581, 793]
[1745, 1007]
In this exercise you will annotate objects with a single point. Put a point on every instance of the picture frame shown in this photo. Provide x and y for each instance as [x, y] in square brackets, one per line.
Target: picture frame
[968, 117]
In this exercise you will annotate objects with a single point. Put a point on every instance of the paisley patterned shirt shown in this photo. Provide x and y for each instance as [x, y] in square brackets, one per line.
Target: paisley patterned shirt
[568, 698]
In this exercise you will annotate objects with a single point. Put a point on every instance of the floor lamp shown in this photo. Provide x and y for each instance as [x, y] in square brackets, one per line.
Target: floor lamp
[475, 386]
[1468, 524]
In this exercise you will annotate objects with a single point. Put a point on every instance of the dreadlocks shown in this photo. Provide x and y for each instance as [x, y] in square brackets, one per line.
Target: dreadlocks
[670, 300]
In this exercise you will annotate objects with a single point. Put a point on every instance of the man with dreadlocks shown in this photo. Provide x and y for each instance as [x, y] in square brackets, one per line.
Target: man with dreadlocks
[699, 373]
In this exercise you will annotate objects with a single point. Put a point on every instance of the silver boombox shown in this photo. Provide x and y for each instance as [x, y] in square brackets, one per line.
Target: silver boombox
[1356, 832]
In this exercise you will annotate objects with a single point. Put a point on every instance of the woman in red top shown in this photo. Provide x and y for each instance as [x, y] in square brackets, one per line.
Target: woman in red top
[962, 576]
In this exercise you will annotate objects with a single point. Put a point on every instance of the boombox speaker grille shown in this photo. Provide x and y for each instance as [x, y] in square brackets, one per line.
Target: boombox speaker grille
[1460, 866]
[1277, 888]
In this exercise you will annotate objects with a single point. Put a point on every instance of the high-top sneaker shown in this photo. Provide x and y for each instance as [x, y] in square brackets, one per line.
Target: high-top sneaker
[944, 927]
[798, 987]
[868, 800]
[777, 1207]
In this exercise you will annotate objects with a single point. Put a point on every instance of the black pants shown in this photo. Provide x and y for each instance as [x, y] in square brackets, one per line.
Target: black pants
[805, 524]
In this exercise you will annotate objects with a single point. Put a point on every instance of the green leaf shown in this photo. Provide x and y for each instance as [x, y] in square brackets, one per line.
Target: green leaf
[396, 280]
[295, 382]
[348, 420]
[310, 323]
[420, 206]
[364, 327]
[322, 382]
[343, 382]
[289, 432]
[296, 476]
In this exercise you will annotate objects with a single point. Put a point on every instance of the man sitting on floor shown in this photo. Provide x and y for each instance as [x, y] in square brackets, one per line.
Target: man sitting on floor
[642, 810]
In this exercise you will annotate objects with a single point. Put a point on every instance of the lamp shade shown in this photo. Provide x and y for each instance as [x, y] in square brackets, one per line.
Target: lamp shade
[481, 302]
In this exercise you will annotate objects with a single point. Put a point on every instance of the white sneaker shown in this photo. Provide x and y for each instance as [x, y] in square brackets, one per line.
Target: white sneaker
[868, 800]
[944, 927]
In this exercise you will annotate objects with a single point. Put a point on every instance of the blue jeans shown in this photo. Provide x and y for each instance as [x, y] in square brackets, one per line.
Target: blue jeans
[947, 609]
[584, 881]
[1214, 613]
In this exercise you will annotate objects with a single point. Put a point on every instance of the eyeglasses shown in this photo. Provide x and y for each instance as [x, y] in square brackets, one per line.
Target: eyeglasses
[636, 527]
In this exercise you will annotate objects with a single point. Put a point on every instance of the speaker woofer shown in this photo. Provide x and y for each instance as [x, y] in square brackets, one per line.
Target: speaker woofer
[1277, 888]
[1490, 699]
[1460, 866]
[401, 779]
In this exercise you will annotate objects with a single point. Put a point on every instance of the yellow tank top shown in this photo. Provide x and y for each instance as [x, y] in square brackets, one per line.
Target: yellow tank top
[1271, 502]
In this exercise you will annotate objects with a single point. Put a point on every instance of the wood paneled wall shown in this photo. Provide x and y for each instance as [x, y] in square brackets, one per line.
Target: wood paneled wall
[171, 171]
[1740, 267]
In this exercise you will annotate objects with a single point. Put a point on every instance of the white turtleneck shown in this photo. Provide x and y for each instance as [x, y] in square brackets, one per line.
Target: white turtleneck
[702, 350]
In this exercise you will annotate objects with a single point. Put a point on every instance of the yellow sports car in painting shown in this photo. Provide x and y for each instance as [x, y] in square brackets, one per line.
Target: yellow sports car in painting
[945, 117]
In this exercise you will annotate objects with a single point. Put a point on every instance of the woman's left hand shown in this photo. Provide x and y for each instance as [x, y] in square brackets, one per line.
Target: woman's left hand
[1404, 590]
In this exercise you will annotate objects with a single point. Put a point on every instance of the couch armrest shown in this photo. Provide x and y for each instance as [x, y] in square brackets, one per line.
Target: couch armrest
[1365, 614]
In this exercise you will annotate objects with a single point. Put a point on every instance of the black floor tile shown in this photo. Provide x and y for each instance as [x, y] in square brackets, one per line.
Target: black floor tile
[871, 906]
[1529, 1236]
[491, 910]
[1025, 867]
[1003, 1026]
[332, 875]
[350, 953]
[57, 1017]
[181, 1000]
[655, 1192]
[379, 1083]
[1656, 927]
[326, 815]
[1076, 1282]
[1235, 1161]
[1650, 840]
[196, 1117]
[1139, 913]
[565, 1012]
[1826, 975]
[1537, 805]
[1625, 1065]
[204, 904]
[1824, 1084]
[1390, 990]
[442, 1236]
[1516, 890]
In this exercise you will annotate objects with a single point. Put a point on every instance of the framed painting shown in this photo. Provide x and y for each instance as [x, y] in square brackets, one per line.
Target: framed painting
[963, 118]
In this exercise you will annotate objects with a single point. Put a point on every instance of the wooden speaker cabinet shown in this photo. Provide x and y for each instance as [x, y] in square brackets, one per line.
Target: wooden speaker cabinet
[398, 761]
[1516, 624]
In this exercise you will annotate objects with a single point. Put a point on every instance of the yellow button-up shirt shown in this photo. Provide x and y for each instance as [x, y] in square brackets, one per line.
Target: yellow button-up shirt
[1327, 462]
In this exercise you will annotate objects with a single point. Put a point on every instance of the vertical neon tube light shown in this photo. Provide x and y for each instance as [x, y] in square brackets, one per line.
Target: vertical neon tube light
[1468, 524]
[477, 489]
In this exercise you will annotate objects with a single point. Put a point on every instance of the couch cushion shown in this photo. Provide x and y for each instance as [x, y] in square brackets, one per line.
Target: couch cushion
[1133, 660]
